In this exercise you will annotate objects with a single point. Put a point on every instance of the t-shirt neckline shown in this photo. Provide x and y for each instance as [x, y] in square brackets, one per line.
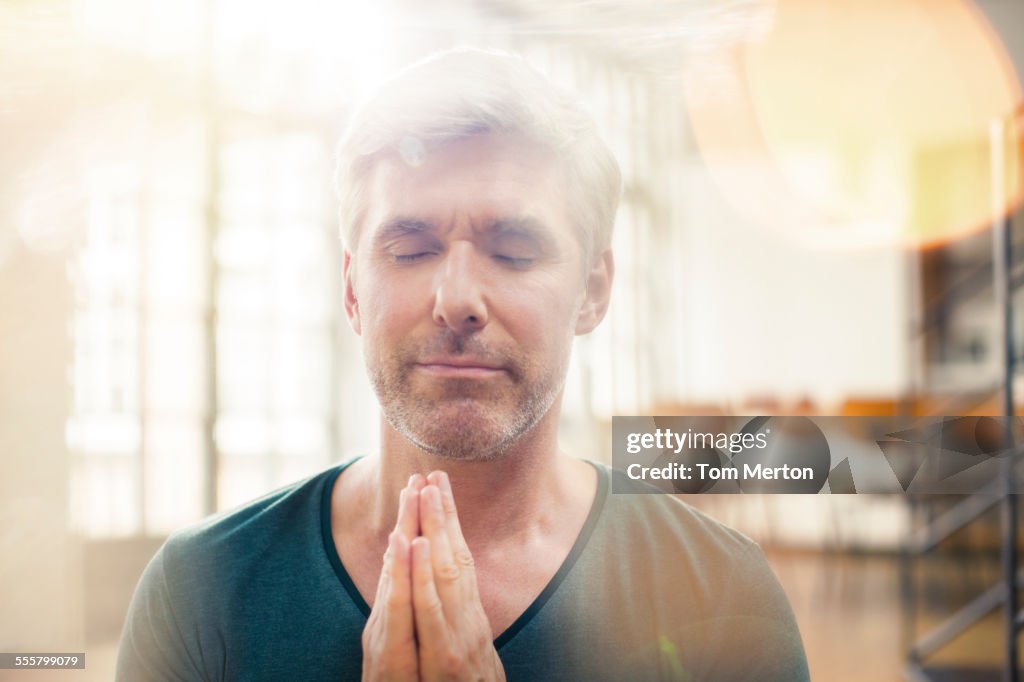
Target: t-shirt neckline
[535, 606]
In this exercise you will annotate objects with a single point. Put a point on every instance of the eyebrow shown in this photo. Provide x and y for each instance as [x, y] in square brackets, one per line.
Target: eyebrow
[526, 227]
[399, 227]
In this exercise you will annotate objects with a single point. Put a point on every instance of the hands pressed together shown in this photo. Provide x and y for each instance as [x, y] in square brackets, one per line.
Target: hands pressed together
[427, 621]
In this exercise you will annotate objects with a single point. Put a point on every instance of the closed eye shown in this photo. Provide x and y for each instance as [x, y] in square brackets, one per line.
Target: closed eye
[513, 261]
[412, 257]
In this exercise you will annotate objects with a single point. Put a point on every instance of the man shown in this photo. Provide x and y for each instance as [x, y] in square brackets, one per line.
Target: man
[477, 205]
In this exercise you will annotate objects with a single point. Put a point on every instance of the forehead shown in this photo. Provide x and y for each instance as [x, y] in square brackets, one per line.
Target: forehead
[481, 179]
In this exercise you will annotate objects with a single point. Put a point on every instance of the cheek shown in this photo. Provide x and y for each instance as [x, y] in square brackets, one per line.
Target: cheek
[383, 309]
[386, 297]
[543, 319]
[388, 314]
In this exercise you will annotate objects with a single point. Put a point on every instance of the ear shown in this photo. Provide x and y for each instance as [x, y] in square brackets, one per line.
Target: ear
[599, 290]
[351, 303]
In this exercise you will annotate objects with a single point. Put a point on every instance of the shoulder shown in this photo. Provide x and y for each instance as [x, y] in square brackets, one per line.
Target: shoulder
[223, 543]
[684, 551]
[707, 584]
[208, 577]
[666, 523]
[269, 509]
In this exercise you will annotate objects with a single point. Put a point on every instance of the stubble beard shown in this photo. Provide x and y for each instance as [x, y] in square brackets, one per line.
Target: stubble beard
[465, 419]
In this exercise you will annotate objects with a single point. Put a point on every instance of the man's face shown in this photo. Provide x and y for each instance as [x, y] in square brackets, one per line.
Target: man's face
[467, 287]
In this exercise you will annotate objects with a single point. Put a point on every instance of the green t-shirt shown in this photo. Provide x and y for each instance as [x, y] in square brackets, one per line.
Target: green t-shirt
[652, 589]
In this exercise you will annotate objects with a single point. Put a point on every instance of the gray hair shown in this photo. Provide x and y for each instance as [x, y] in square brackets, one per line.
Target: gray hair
[463, 92]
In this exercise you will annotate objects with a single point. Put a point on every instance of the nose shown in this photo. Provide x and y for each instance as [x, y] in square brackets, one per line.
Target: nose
[459, 301]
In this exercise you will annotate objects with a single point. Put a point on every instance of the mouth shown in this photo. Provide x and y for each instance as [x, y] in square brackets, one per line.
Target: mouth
[460, 368]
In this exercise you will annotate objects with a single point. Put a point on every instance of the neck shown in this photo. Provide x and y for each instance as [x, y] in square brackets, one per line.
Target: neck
[512, 494]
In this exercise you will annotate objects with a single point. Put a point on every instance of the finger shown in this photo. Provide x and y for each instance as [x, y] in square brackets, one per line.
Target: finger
[398, 593]
[386, 569]
[408, 522]
[431, 628]
[447, 573]
[463, 557]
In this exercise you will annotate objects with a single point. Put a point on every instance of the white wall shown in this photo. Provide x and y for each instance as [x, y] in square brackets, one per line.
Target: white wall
[765, 316]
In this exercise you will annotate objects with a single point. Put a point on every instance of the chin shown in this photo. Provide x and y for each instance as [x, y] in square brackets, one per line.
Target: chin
[462, 452]
[453, 446]
[461, 432]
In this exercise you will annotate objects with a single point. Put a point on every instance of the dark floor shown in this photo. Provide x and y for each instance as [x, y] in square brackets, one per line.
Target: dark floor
[850, 615]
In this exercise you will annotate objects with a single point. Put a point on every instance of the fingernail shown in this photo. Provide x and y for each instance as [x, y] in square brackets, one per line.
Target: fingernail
[412, 479]
[445, 482]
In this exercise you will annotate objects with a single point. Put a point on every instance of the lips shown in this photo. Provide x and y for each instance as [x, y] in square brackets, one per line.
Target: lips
[461, 367]
[461, 362]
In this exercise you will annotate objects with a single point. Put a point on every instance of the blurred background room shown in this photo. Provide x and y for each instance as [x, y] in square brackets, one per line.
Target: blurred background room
[813, 192]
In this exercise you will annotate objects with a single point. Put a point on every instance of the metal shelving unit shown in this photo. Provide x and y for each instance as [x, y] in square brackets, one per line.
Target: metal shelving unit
[1004, 594]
